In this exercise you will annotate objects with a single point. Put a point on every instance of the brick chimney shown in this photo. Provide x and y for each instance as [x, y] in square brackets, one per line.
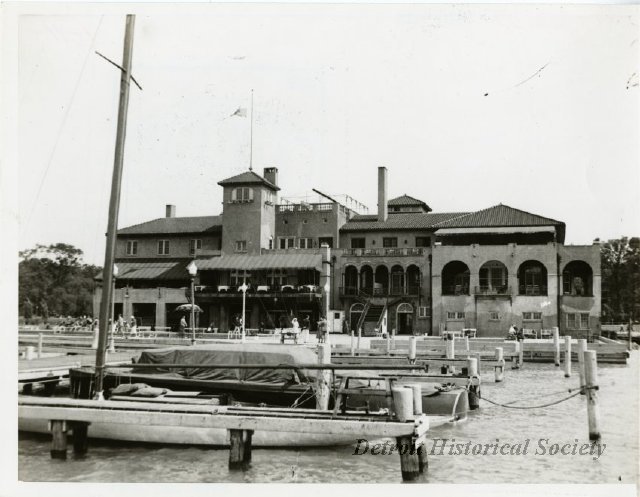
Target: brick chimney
[382, 194]
[271, 175]
[171, 210]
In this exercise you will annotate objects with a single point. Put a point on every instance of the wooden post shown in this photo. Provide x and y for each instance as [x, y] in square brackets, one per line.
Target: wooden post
[409, 458]
[359, 336]
[248, 435]
[80, 437]
[466, 343]
[499, 369]
[521, 353]
[412, 349]
[450, 348]
[403, 407]
[29, 353]
[417, 397]
[39, 345]
[516, 358]
[591, 378]
[393, 339]
[630, 328]
[582, 347]
[236, 449]
[323, 390]
[556, 345]
[423, 462]
[388, 343]
[474, 389]
[353, 345]
[567, 356]
[58, 429]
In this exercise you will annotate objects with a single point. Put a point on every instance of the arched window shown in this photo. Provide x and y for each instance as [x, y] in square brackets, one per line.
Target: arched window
[397, 280]
[455, 278]
[381, 284]
[366, 279]
[350, 280]
[493, 278]
[405, 308]
[357, 307]
[577, 279]
[413, 280]
[532, 278]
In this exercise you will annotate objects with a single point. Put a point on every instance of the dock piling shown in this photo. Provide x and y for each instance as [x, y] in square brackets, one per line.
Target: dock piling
[80, 437]
[353, 345]
[474, 387]
[450, 350]
[240, 448]
[388, 344]
[521, 353]
[515, 359]
[58, 429]
[409, 459]
[582, 347]
[412, 350]
[39, 345]
[359, 336]
[567, 356]
[499, 369]
[323, 390]
[556, 345]
[593, 409]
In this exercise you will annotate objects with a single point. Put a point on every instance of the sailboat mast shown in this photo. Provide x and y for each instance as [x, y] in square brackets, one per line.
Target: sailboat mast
[114, 203]
[251, 136]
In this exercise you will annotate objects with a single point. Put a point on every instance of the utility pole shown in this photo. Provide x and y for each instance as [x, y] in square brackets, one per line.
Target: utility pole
[114, 202]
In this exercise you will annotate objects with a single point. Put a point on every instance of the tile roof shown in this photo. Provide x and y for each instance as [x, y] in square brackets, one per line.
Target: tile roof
[151, 269]
[264, 261]
[407, 201]
[498, 215]
[175, 225]
[398, 221]
[248, 178]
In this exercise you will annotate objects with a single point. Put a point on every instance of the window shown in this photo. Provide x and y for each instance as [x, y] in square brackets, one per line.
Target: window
[423, 312]
[132, 247]
[357, 243]
[286, 242]
[328, 240]
[241, 246]
[239, 276]
[423, 241]
[242, 194]
[277, 277]
[390, 242]
[578, 321]
[494, 316]
[455, 315]
[163, 247]
[305, 243]
[532, 316]
[194, 245]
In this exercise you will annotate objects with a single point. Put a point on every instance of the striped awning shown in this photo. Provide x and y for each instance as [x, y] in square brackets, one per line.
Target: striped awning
[496, 229]
[151, 270]
[262, 262]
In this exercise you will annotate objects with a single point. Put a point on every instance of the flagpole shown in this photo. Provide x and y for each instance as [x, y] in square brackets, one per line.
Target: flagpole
[251, 136]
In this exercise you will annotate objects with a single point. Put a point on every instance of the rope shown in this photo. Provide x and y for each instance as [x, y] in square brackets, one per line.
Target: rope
[509, 406]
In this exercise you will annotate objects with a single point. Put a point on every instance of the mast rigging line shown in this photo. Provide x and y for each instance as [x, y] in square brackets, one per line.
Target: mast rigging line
[119, 67]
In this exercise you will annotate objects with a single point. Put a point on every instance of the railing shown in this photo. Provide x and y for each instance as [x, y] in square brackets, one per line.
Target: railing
[382, 252]
[455, 290]
[305, 207]
[497, 290]
[532, 290]
[348, 291]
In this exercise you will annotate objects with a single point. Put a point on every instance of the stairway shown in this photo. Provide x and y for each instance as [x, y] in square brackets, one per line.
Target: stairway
[369, 321]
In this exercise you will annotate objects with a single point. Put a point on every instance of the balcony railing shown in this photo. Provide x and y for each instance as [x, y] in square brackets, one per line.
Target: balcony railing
[352, 291]
[455, 290]
[305, 207]
[496, 290]
[382, 252]
[532, 290]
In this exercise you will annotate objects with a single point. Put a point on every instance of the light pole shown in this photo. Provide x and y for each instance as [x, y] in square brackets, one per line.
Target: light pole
[244, 289]
[112, 341]
[193, 270]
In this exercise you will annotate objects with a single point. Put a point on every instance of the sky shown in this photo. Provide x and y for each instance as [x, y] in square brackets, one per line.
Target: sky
[536, 107]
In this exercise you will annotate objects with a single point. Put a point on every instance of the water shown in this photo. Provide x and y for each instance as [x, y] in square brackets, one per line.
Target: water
[561, 424]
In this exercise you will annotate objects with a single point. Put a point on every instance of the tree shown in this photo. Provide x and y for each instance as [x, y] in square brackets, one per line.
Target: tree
[55, 277]
[620, 265]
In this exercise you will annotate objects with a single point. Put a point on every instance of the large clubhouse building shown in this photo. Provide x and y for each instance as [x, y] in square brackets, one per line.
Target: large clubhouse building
[404, 268]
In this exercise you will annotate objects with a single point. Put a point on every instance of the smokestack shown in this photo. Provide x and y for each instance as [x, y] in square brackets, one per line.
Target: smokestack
[271, 175]
[382, 194]
[171, 210]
